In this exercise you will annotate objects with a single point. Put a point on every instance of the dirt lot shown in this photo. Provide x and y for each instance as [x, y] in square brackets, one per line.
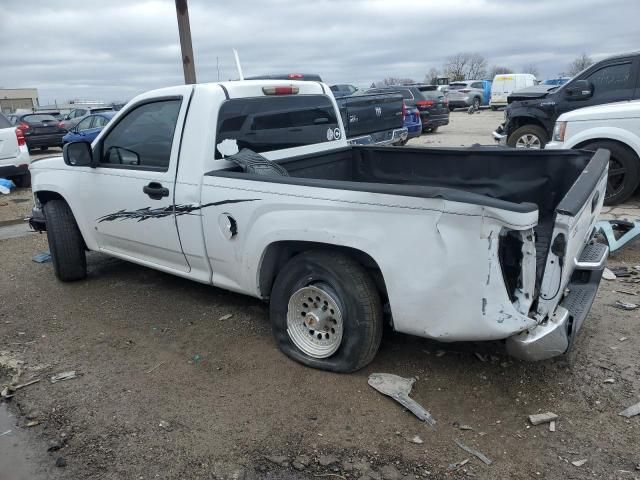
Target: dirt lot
[170, 387]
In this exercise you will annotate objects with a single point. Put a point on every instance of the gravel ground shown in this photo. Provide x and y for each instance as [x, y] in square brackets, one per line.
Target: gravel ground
[170, 387]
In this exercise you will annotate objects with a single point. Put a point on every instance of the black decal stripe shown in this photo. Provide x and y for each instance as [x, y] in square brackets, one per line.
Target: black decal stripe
[148, 212]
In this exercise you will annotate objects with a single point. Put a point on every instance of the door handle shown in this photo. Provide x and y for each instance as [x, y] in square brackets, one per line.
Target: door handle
[155, 191]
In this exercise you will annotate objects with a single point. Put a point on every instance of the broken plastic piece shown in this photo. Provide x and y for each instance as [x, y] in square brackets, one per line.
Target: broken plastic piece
[474, 452]
[632, 411]
[42, 257]
[63, 376]
[625, 305]
[399, 388]
[539, 418]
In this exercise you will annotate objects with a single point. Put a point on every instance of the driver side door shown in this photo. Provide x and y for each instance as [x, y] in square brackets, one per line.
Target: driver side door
[128, 197]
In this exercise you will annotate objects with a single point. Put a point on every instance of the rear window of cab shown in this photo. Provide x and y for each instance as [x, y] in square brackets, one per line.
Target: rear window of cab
[264, 124]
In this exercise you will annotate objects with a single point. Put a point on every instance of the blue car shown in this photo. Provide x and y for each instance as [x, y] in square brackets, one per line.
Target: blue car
[88, 128]
[413, 122]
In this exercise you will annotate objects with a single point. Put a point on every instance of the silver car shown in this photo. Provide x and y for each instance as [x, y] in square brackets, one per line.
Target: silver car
[466, 93]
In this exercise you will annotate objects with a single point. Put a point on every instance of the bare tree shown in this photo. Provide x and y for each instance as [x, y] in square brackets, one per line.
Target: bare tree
[432, 76]
[465, 66]
[579, 64]
[498, 70]
[393, 81]
[531, 68]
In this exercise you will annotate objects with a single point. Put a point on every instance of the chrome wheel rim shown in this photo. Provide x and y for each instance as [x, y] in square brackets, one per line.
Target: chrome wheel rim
[314, 321]
[528, 141]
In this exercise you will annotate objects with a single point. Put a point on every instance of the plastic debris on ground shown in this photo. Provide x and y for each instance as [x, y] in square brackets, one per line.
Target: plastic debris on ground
[64, 376]
[625, 305]
[540, 418]
[6, 186]
[42, 257]
[399, 388]
[474, 452]
[632, 411]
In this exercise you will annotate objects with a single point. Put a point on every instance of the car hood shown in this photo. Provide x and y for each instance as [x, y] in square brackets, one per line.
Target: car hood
[535, 91]
[54, 161]
[608, 111]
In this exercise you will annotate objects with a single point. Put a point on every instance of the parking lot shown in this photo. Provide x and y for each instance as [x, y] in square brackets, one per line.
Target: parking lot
[180, 380]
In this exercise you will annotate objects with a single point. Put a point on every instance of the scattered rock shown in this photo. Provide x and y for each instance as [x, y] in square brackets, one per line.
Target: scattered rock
[226, 317]
[301, 462]
[64, 376]
[228, 471]
[326, 460]
[164, 424]
[32, 423]
[390, 472]
[279, 460]
[362, 466]
[346, 466]
[61, 462]
[539, 418]
[609, 380]
[579, 463]
[608, 274]
[56, 444]
[455, 466]
[417, 440]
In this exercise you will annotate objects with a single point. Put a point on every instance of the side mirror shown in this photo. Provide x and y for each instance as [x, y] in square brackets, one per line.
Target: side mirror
[579, 90]
[77, 154]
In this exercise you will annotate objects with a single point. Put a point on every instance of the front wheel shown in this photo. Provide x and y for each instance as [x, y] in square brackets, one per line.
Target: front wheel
[326, 312]
[65, 242]
[44, 149]
[624, 171]
[528, 136]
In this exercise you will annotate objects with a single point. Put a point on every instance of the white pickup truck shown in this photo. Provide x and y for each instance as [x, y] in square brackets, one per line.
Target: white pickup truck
[251, 186]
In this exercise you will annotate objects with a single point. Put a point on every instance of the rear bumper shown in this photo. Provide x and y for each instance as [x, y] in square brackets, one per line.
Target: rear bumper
[52, 140]
[557, 334]
[381, 138]
[7, 171]
[429, 121]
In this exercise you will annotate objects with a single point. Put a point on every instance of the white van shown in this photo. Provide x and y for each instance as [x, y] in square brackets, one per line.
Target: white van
[505, 84]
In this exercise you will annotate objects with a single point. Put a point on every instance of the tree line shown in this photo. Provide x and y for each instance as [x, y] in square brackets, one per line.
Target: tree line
[474, 66]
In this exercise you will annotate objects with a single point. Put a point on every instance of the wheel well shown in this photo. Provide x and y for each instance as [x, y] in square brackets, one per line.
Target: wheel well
[45, 195]
[518, 122]
[608, 140]
[279, 253]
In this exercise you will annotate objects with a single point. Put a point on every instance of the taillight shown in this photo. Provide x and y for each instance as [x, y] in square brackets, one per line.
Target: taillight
[61, 125]
[23, 126]
[424, 103]
[295, 76]
[20, 137]
[280, 90]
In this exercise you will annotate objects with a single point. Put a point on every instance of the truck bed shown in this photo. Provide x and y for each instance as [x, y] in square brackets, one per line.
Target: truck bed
[517, 181]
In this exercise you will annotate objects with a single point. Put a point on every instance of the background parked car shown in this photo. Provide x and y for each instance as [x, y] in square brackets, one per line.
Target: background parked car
[88, 128]
[504, 85]
[343, 90]
[614, 126]
[531, 114]
[427, 99]
[41, 130]
[14, 154]
[76, 115]
[556, 82]
[469, 93]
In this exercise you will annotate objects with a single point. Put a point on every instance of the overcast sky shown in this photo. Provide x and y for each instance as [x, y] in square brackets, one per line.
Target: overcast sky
[113, 50]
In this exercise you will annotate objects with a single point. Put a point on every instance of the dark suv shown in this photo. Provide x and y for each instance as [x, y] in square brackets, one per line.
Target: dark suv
[430, 102]
[531, 114]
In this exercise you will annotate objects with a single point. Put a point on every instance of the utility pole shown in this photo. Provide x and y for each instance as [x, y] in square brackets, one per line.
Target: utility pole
[184, 30]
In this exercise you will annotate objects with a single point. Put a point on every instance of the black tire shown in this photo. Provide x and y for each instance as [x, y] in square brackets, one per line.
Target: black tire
[624, 171]
[476, 103]
[357, 296]
[65, 242]
[23, 181]
[451, 109]
[433, 129]
[44, 149]
[401, 143]
[531, 130]
[493, 109]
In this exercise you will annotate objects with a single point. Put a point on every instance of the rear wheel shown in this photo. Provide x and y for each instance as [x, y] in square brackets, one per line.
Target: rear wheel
[44, 149]
[476, 103]
[451, 109]
[65, 242]
[326, 312]
[624, 171]
[528, 136]
[23, 181]
[432, 129]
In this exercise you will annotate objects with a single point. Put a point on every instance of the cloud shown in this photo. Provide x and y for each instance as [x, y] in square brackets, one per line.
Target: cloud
[114, 50]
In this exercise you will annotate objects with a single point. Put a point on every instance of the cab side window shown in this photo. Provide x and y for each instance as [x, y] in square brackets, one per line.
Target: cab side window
[85, 124]
[612, 82]
[142, 139]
